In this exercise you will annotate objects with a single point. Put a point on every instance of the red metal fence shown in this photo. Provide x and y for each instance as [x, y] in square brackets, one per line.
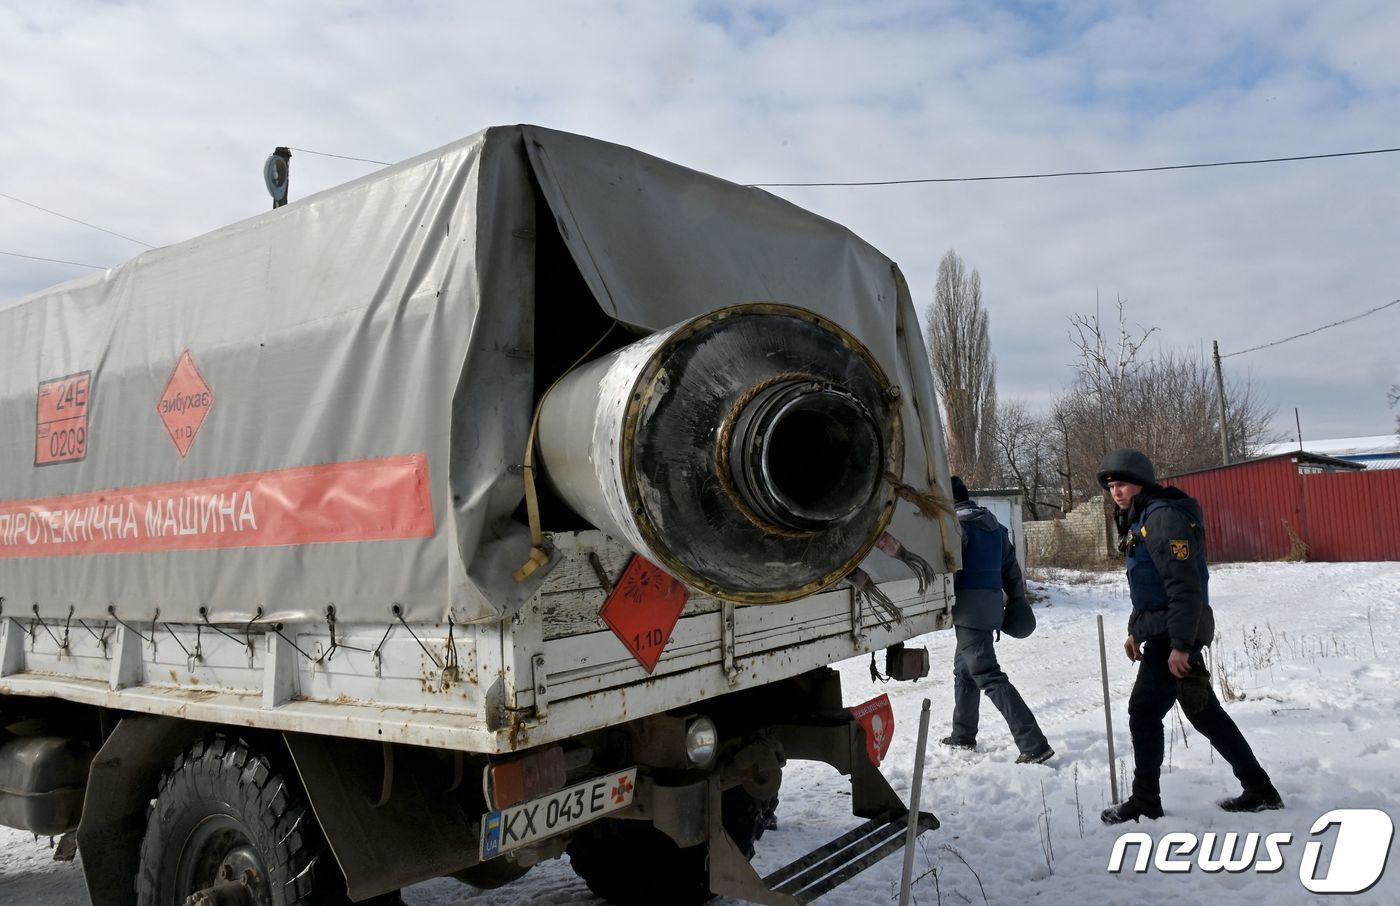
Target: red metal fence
[1254, 510]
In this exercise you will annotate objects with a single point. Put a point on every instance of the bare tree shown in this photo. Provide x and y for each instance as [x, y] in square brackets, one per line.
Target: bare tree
[1025, 458]
[1249, 418]
[1101, 409]
[1393, 397]
[963, 368]
[1162, 402]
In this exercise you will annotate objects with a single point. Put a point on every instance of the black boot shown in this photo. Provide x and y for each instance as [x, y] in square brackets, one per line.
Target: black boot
[1261, 800]
[1131, 810]
[1040, 757]
[954, 742]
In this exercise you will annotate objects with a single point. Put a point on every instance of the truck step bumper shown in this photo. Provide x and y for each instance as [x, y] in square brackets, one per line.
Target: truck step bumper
[817, 873]
[829, 866]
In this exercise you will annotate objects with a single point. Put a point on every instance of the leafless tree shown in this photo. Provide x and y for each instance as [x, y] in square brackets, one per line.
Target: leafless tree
[1101, 408]
[1025, 458]
[1393, 397]
[963, 368]
[1162, 402]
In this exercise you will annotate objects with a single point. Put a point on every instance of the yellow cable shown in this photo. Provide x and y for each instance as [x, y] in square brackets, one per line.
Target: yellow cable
[538, 555]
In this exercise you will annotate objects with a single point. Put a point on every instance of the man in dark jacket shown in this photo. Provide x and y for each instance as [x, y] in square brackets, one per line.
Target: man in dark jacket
[1164, 540]
[989, 575]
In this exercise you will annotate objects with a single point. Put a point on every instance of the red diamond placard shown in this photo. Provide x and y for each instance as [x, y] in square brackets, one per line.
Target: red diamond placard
[643, 608]
[185, 403]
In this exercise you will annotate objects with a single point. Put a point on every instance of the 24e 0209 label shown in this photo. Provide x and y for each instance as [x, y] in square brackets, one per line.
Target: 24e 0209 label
[61, 419]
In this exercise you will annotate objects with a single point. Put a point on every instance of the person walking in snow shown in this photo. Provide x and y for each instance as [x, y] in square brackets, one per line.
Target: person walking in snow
[986, 588]
[1171, 621]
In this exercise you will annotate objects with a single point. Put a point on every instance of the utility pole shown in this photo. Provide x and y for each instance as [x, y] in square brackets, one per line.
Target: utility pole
[1220, 404]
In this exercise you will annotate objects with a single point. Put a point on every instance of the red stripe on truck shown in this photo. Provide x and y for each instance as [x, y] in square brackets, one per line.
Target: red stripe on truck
[367, 500]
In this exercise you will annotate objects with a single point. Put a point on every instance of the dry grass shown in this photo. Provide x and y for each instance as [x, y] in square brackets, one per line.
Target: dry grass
[1297, 547]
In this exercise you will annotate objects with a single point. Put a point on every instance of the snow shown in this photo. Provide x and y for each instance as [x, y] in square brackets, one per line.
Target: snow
[1374, 445]
[1312, 648]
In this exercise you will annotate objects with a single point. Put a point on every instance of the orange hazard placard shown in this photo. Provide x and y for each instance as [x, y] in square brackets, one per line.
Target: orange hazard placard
[185, 403]
[61, 422]
[876, 717]
[643, 608]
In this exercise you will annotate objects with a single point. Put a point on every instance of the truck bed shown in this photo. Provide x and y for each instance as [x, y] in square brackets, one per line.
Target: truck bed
[552, 672]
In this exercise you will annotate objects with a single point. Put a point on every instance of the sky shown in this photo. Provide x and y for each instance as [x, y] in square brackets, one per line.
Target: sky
[1299, 644]
[152, 120]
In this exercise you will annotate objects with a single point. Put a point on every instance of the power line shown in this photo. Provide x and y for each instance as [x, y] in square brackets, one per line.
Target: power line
[363, 160]
[1314, 330]
[128, 238]
[873, 182]
[99, 267]
[854, 183]
[1220, 163]
[75, 220]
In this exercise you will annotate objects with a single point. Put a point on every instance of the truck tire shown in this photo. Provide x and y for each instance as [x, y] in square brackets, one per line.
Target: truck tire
[631, 863]
[225, 812]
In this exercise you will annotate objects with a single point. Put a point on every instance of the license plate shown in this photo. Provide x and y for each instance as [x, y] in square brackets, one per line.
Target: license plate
[520, 825]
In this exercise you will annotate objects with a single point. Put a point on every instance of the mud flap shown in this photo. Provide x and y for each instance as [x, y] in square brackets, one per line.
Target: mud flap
[124, 779]
[416, 829]
[731, 874]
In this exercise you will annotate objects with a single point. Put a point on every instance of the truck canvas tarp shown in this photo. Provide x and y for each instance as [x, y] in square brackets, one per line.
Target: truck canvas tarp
[510, 501]
[319, 404]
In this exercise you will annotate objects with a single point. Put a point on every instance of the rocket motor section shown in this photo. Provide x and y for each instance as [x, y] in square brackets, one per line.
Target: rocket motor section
[748, 451]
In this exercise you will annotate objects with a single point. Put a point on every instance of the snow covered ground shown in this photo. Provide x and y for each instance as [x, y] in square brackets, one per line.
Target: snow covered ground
[1311, 647]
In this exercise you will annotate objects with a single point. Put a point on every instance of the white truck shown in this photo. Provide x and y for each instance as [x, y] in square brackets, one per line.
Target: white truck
[509, 501]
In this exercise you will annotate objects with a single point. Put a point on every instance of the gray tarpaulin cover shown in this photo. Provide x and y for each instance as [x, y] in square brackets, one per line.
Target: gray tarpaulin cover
[320, 405]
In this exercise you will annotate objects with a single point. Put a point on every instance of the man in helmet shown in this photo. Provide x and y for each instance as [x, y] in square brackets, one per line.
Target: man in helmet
[1171, 621]
[989, 578]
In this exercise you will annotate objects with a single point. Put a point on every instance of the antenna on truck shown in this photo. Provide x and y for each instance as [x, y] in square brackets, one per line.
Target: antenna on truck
[277, 171]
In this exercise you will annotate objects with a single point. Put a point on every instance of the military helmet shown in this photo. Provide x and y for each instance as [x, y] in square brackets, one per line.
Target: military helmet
[1126, 464]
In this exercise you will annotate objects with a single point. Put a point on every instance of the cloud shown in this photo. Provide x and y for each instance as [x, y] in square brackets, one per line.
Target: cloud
[153, 119]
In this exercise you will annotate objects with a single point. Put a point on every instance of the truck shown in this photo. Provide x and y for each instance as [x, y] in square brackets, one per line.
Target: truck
[512, 501]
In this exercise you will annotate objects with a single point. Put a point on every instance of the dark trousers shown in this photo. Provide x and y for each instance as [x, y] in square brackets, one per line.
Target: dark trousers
[1154, 693]
[975, 672]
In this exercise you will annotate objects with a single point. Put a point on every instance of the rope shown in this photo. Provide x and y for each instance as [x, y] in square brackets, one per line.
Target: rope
[335, 643]
[451, 647]
[62, 646]
[112, 609]
[538, 555]
[176, 638]
[204, 615]
[277, 628]
[398, 612]
[930, 504]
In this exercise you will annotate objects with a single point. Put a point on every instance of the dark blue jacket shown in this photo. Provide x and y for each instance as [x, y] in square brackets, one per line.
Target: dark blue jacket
[1167, 574]
[990, 574]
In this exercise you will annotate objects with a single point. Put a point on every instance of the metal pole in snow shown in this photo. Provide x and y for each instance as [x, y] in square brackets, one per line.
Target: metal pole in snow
[1107, 713]
[912, 833]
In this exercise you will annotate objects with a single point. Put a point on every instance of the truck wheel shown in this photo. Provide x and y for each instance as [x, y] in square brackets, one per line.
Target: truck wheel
[229, 826]
[631, 863]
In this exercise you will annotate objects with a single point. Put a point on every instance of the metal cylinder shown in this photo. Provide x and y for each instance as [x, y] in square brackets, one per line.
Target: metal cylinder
[744, 451]
[804, 455]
